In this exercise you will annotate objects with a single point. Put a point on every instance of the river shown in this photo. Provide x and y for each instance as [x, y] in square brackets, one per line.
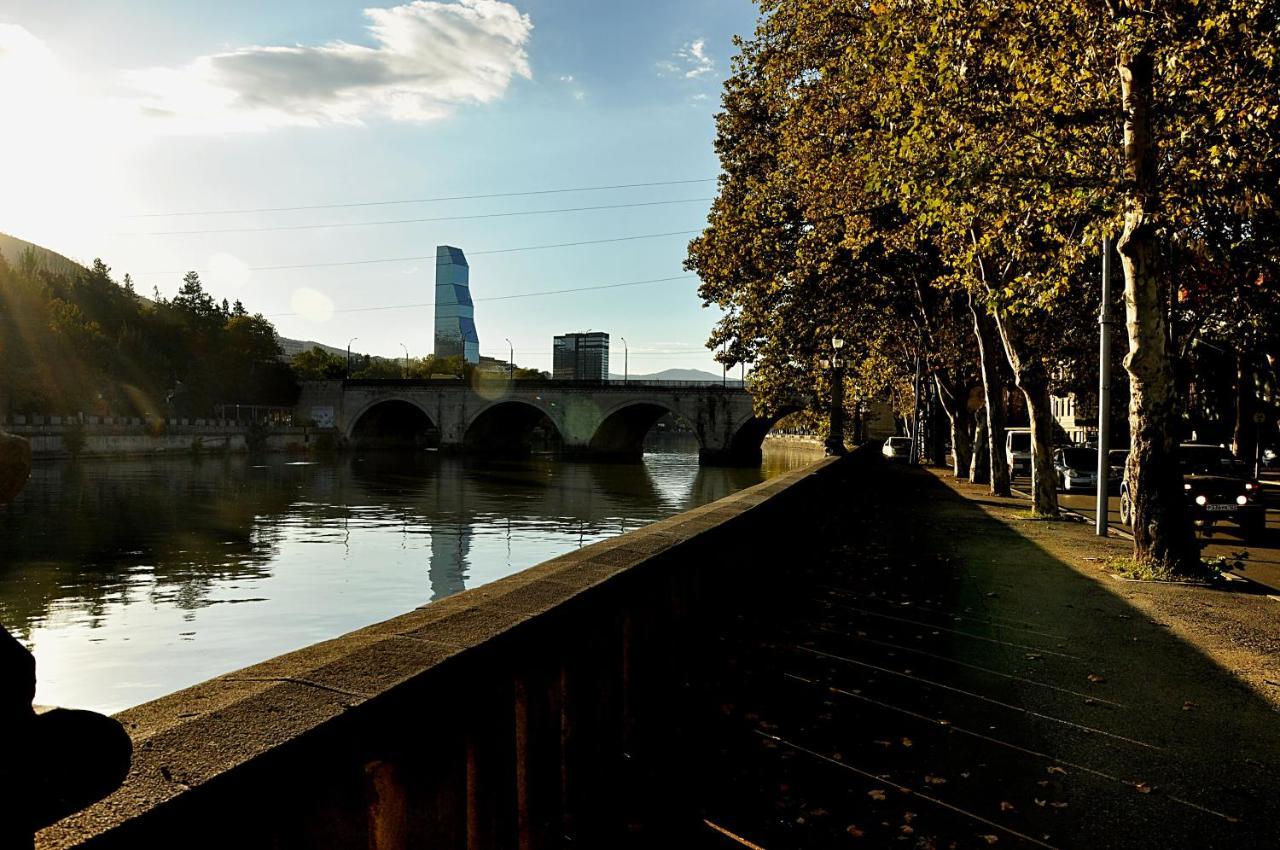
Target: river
[130, 579]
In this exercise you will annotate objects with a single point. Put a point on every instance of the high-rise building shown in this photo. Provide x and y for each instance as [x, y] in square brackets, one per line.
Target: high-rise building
[455, 314]
[580, 357]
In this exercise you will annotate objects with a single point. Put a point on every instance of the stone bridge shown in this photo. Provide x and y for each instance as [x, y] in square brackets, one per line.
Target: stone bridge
[607, 420]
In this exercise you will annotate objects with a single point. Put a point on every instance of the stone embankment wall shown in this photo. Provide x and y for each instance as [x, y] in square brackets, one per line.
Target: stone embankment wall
[534, 711]
[107, 437]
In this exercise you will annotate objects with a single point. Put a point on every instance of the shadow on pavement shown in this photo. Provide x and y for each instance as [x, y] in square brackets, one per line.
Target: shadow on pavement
[923, 674]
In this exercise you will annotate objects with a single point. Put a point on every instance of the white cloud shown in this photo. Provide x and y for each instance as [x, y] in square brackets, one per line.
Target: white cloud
[690, 61]
[428, 57]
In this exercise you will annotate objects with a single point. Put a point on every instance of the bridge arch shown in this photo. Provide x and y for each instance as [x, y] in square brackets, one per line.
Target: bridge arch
[512, 427]
[746, 444]
[393, 423]
[622, 431]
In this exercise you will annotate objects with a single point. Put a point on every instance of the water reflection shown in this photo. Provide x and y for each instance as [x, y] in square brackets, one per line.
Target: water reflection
[133, 578]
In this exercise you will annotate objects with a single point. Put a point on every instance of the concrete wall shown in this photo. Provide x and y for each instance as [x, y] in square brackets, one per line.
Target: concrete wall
[131, 438]
[530, 712]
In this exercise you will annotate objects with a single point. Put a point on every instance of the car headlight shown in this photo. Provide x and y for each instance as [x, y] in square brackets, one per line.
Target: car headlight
[1202, 499]
[1248, 485]
[1186, 486]
[1242, 500]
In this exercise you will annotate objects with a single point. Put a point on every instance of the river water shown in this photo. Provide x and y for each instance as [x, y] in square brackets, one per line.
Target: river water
[130, 579]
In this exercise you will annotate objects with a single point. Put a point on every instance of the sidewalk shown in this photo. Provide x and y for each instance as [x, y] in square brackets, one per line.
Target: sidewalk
[937, 671]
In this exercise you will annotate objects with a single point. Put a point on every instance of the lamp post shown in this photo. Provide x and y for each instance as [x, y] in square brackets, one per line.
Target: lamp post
[404, 373]
[626, 357]
[511, 360]
[835, 433]
[353, 339]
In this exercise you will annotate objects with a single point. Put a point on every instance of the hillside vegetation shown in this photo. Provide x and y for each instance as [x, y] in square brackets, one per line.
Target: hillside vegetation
[73, 340]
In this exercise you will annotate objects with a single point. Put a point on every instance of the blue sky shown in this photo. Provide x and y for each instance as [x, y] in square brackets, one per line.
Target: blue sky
[158, 107]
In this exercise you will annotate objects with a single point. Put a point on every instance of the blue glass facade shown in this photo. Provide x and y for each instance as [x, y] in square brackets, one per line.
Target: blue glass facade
[455, 314]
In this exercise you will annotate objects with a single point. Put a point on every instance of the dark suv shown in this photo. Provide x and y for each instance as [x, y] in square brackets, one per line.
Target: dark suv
[1217, 487]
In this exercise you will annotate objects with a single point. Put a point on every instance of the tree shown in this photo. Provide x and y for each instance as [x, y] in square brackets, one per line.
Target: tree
[1196, 85]
[318, 365]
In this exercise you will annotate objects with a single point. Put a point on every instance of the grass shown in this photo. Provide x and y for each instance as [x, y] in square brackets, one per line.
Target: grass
[1209, 570]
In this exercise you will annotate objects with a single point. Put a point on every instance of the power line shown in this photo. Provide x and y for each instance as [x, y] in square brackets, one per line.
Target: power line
[415, 220]
[434, 257]
[503, 297]
[423, 200]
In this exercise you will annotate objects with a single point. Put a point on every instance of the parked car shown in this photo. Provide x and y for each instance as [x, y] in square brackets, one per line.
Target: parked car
[1077, 469]
[897, 448]
[1217, 489]
[1017, 448]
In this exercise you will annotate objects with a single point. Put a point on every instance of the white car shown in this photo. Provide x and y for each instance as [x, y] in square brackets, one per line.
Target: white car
[897, 448]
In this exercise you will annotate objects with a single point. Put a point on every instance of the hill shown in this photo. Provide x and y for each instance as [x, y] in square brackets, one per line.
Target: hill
[695, 375]
[12, 248]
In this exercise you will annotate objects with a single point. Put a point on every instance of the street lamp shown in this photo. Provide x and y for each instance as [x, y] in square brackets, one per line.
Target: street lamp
[626, 355]
[511, 360]
[835, 434]
[405, 372]
[353, 339]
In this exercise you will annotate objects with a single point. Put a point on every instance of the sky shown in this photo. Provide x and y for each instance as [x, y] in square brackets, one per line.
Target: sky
[164, 136]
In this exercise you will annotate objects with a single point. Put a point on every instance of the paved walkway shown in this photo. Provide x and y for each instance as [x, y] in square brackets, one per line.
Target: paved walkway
[949, 674]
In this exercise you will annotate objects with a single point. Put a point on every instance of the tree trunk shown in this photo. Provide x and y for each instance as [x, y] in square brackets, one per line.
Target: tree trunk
[980, 470]
[1162, 536]
[1244, 439]
[989, 354]
[955, 404]
[1029, 375]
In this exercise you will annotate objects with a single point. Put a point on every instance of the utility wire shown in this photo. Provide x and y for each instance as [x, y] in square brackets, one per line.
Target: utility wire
[422, 200]
[434, 257]
[415, 220]
[503, 297]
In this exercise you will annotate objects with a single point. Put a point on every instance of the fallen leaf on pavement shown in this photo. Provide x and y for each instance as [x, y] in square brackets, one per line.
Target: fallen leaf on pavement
[990, 839]
[876, 794]
[1142, 788]
[906, 830]
[1039, 802]
[1096, 679]
[934, 780]
[1059, 805]
[907, 742]
[1006, 806]
[1189, 706]
[1055, 769]
[854, 831]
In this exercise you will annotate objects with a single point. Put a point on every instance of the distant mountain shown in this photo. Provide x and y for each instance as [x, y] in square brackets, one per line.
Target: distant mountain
[11, 247]
[290, 348]
[678, 375]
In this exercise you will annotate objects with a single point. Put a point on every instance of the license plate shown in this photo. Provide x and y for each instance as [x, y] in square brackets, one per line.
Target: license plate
[1220, 508]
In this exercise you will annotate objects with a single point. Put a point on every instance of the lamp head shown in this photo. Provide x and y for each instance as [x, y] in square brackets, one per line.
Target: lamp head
[837, 343]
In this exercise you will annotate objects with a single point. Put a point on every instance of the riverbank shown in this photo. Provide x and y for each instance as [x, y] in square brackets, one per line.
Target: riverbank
[54, 437]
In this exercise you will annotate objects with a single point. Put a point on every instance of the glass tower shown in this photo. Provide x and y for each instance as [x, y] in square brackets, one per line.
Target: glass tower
[580, 357]
[455, 314]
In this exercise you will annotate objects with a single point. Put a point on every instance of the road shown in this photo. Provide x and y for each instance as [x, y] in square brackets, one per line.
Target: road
[1263, 563]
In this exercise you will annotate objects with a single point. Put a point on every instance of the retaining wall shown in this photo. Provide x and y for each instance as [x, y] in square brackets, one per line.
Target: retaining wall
[529, 712]
[131, 438]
